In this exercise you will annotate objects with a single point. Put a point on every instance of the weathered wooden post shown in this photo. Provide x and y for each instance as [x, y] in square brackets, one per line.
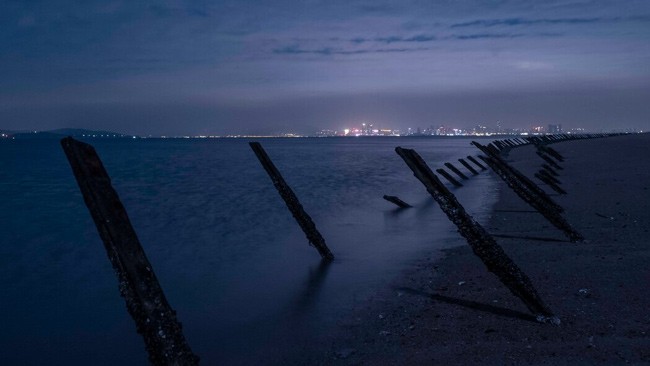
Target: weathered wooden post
[550, 183]
[520, 177]
[154, 318]
[551, 151]
[549, 176]
[550, 170]
[449, 177]
[298, 212]
[397, 201]
[467, 166]
[548, 160]
[542, 206]
[471, 158]
[456, 171]
[482, 244]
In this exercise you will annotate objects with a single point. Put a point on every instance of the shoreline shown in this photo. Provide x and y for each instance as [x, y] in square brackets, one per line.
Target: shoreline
[453, 310]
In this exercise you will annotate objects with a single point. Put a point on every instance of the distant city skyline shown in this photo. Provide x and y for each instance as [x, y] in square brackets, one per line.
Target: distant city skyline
[235, 67]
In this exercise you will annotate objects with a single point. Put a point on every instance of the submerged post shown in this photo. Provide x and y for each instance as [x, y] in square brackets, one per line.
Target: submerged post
[298, 212]
[397, 201]
[154, 318]
[482, 244]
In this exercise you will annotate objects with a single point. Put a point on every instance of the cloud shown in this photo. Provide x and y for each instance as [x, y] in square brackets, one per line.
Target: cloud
[532, 65]
[295, 50]
[486, 35]
[526, 21]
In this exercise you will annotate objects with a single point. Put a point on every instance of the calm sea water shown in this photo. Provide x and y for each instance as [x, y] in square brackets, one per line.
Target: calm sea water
[232, 261]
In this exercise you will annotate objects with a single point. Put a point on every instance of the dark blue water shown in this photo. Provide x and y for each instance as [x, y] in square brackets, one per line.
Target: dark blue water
[231, 259]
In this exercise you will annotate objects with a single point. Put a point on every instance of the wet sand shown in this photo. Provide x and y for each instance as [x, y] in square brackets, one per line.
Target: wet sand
[453, 310]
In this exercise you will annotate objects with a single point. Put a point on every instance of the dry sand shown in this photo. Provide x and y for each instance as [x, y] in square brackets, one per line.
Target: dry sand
[454, 311]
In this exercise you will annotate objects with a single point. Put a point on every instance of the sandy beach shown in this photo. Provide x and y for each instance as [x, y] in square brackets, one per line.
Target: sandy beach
[453, 310]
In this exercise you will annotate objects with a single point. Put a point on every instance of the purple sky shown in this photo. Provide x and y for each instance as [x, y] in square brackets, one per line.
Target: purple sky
[195, 67]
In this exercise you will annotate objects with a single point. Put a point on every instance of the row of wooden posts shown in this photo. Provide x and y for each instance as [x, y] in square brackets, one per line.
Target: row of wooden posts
[155, 319]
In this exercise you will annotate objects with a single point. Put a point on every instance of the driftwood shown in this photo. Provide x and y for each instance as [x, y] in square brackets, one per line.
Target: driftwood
[154, 318]
[456, 171]
[397, 201]
[468, 167]
[298, 212]
[482, 244]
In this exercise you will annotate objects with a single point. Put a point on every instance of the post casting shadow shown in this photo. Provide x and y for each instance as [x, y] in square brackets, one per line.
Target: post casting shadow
[472, 305]
[536, 238]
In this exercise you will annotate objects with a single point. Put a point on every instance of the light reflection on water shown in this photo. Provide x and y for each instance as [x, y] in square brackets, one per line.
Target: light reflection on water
[231, 259]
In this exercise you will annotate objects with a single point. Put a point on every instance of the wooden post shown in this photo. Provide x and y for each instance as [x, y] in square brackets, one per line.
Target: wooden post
[549, 212]
[550, 183]
[303, 219]
[471, 158]
[397, 201]
[482, 244]
[456, 171]
[154, 318]
[468, 167]
[548, 160]
[551, 151]
[549, 176]
[449, 177]
[520, 177]
[550, 170]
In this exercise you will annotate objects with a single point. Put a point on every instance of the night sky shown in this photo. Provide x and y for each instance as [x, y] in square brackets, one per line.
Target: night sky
[217, 67]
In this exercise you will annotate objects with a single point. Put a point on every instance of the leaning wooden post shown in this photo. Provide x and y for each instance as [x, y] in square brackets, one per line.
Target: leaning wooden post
[456, 171]
[471, 158]
[397, 201]
[529, 184]
[468, 167]
[550, 183]
[154, 318]
[549, 212]
[550, 170]
[303, 219]
[482, 244]
[449, 177]
[548, 160]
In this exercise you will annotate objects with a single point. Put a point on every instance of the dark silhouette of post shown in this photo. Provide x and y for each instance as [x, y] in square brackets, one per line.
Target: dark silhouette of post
[468, 167]
[298, 212]
[449, 177]
[471, 158]
[451, 167]
[550, 170]
[154, 318]
[397, 201]
[550, 183]
[548, 160]
[549, 212]
[482, 244]
[528, 184]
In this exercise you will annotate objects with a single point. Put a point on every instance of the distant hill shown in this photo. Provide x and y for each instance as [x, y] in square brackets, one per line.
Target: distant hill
[62, 132]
